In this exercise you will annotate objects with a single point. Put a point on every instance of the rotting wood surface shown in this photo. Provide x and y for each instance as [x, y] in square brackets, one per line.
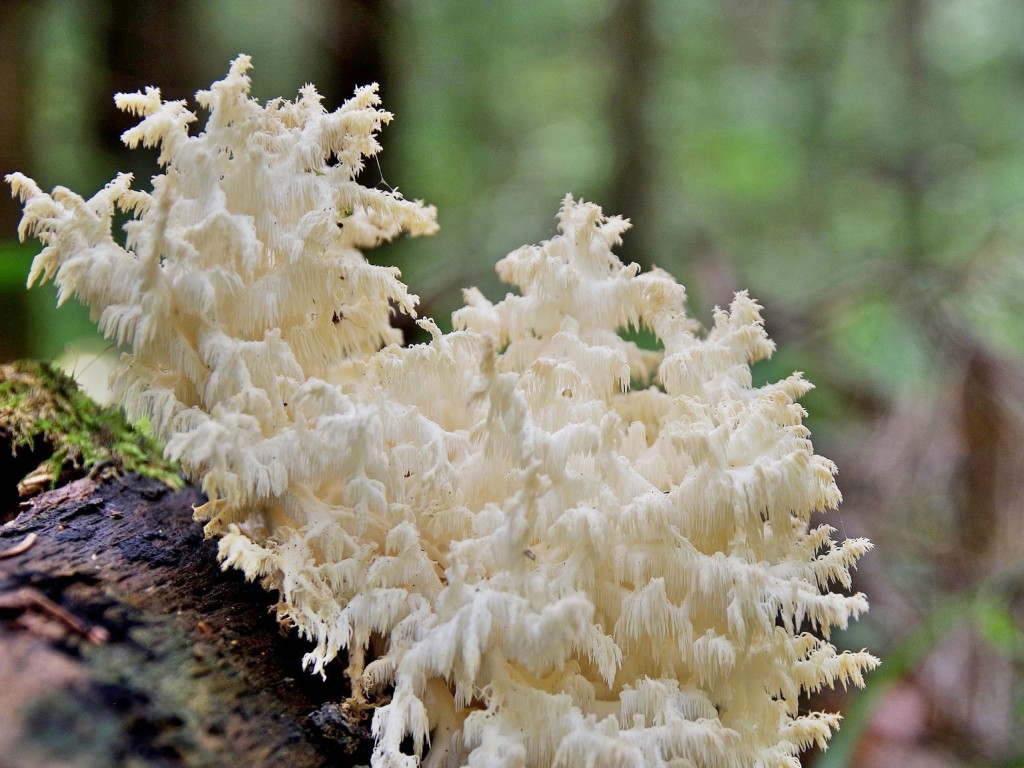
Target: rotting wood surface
[122, 643]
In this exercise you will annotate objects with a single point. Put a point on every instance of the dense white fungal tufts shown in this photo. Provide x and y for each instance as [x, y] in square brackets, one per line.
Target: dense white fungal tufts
[550, 546]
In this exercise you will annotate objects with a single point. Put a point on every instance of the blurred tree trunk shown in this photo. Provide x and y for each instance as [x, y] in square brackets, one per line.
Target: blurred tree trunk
[357, 59]
[915, 114]
[14, 64]
[143, 44]
[632, 45]
[13, 95]
[357, 50]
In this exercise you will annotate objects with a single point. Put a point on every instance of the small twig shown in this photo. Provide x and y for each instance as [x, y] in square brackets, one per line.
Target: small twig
[25, 598]
[17, 549]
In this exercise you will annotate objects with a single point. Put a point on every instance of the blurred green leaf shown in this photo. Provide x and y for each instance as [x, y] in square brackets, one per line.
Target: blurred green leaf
[754, 165]
[15, 261]
[996, 624]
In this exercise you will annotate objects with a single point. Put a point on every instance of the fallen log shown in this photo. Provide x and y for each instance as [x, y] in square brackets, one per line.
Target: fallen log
[122, 643]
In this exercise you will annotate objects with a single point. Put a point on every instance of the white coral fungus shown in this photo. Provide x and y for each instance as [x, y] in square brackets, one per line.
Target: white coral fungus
[550, 546]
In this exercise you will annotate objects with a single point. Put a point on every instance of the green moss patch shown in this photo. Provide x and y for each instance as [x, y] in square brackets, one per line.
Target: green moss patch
[51, 432]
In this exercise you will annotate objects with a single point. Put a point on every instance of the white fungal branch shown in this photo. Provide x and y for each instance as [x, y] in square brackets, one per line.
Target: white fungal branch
[555, 547]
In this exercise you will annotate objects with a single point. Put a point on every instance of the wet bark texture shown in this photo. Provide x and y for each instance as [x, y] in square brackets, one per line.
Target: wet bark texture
[122, 643]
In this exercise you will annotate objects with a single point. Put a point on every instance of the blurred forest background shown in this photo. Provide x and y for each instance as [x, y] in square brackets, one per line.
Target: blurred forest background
[857, 165]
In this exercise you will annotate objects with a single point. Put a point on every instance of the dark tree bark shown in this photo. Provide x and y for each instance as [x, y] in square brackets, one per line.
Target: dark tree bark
[123, 643]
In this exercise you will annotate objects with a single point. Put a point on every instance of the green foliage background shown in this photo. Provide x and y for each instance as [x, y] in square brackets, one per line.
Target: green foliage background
[857, 165]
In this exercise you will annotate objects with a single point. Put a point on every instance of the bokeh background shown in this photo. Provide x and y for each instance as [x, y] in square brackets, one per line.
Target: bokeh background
[857, 165]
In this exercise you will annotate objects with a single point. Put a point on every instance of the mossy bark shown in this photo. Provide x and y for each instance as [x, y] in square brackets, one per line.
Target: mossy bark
[54, 433]
[122, 643]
